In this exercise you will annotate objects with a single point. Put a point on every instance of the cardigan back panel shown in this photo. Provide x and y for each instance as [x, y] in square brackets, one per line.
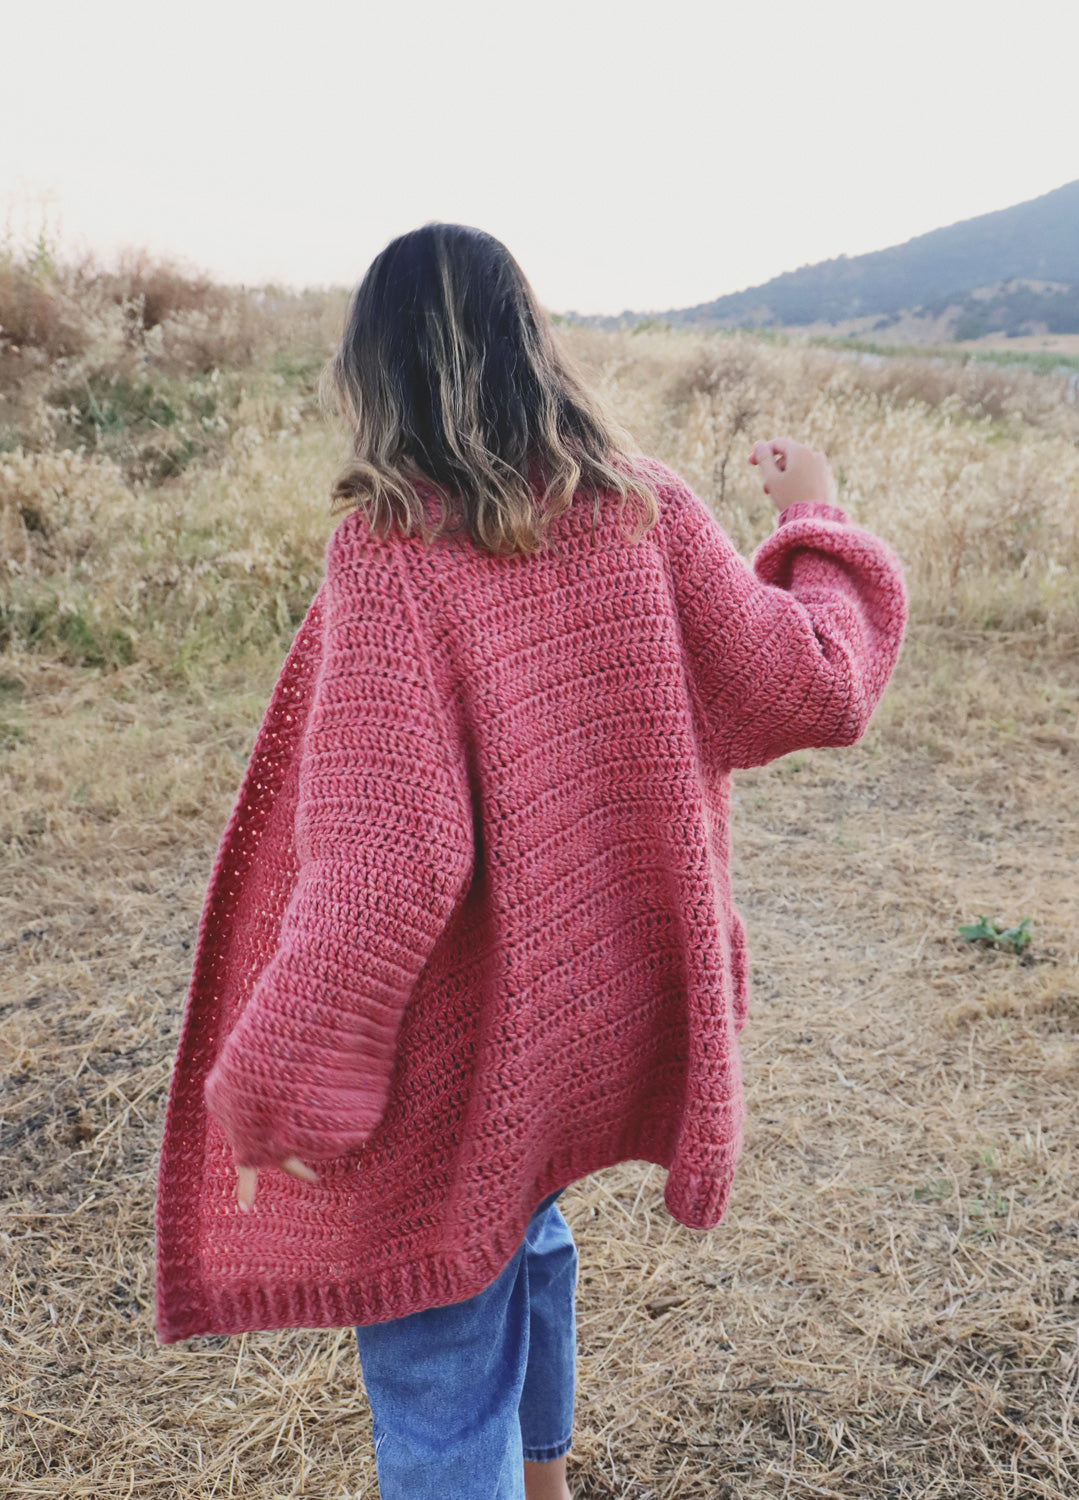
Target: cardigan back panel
[469, 935]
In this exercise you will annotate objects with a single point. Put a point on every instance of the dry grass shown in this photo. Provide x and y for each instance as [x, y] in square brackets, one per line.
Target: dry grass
[972, 472]
[148, 310]
[890, 1307]
[139, 362]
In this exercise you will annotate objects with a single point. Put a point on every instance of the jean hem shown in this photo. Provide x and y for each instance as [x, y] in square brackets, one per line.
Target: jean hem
[545, 1455]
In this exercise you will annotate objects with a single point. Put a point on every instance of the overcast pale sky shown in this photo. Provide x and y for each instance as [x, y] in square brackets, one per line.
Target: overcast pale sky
[630, 155]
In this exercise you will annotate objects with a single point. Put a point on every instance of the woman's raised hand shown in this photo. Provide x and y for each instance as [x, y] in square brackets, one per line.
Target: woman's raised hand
[793, 472]
[247, 1177]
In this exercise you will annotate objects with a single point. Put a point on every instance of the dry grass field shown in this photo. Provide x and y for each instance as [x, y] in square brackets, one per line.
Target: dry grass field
[891, 1307]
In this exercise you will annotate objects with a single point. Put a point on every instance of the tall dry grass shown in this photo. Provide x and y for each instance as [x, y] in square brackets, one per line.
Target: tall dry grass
[971, 472]
[139, 362]
[889, 1310]
[187, 520]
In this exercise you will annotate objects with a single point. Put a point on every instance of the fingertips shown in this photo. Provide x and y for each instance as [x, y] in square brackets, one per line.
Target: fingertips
[246, 1179]
[296, 1168]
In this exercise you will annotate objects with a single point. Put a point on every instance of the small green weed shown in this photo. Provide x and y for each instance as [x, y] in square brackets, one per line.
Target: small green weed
[299, 367]
[105, 405]
[991, 935]
[793, 763]
[11, 692]
[987, 1205]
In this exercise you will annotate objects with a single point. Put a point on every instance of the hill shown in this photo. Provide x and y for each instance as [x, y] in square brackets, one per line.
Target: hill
[1015, 270]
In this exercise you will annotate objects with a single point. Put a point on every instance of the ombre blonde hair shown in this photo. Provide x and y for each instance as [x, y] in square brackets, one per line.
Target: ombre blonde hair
[450, 376]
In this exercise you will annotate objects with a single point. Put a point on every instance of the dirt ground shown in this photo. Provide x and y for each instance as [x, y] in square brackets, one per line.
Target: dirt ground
[889, 1308]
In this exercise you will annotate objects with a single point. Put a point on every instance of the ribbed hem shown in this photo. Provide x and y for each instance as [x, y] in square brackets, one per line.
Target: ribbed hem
[545, 1455]
[191, 1303]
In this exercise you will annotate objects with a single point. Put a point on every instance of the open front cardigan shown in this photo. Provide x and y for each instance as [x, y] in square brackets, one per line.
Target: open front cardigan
[469, 934]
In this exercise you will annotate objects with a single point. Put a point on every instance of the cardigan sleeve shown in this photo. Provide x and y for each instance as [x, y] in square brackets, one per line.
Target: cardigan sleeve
[384, 844]
[794, 651]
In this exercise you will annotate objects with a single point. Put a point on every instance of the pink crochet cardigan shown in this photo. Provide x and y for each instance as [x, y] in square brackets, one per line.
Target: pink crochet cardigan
[469, 935]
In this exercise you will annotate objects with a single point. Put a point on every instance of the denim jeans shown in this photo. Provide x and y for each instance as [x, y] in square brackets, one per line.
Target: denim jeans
[461, 1394]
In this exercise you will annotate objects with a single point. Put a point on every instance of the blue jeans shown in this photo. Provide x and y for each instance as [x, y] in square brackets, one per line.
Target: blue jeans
[461, 1394]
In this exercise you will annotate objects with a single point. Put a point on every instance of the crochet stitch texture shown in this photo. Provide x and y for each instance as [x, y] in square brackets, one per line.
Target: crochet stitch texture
[469, 935]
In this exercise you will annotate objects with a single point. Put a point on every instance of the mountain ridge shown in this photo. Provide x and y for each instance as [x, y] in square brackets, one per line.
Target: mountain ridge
[1015, 269]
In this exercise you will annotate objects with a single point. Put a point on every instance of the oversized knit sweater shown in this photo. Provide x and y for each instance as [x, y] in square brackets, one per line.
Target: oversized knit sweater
[469, 935]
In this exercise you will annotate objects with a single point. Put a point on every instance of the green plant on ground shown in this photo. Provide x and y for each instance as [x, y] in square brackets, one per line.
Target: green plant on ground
[991, 935]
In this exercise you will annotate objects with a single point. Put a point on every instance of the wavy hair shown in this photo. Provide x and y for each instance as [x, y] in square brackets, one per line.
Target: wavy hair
[450, 376]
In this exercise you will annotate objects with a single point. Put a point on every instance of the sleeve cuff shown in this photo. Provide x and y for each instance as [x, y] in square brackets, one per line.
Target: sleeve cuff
[816, 510]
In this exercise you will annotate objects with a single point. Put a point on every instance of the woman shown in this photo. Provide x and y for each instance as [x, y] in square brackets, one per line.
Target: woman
[469, 935]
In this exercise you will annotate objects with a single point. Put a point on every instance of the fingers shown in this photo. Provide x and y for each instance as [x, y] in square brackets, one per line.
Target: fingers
[777, 449]
[763, 456]
[296, 1168]
[247, 1178]
[245, 1186]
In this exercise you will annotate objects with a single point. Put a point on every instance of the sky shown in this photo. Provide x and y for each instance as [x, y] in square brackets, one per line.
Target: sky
[630, 155]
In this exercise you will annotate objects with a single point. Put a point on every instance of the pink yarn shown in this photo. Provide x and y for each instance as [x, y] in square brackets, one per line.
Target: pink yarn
[469, 934]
